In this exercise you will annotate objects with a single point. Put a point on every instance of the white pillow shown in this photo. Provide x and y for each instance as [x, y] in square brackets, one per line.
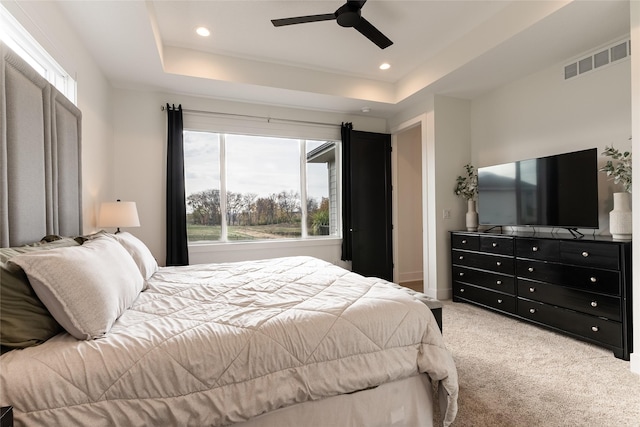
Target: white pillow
[86, 288]
[139, 252]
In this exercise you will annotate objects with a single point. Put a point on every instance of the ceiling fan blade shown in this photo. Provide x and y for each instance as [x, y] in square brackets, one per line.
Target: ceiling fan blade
[303, 19]
[372, 33]
[357, 3]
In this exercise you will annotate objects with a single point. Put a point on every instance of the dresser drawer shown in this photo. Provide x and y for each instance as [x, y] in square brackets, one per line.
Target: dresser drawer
[500, 264]
[593, 328]
[496, 245]
[589, 279]
[465, 241]
[590, 254]
[544, 249]
[486, 297]
[586, 302]
[486, 279]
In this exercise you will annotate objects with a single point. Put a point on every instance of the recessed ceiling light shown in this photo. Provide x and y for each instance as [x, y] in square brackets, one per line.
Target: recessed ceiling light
[366, 109]
[203, 31]
[385, 66]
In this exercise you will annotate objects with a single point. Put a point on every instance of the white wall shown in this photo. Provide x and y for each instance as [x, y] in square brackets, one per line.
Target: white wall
[140, 133]
[45, 23]
[408, 223]
[452, 139]
[140, 155]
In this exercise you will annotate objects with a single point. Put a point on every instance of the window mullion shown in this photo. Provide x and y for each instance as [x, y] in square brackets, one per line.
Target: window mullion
[223, 189]
[303, 188]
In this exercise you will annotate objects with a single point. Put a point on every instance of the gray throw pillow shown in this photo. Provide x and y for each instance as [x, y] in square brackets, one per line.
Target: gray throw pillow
[24, 320]
[85, 288]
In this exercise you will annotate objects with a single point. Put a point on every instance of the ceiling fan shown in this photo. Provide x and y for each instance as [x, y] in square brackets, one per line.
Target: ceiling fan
[347, 15]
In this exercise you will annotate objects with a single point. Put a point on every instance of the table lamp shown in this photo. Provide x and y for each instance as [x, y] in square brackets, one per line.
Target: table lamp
[118, 214]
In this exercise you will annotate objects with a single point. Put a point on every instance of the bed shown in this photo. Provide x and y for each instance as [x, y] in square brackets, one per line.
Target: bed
[95, 333]
[216, 344]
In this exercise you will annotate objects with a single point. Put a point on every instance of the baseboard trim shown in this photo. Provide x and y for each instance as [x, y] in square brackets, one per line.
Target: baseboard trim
[634, 364]
[411, 276]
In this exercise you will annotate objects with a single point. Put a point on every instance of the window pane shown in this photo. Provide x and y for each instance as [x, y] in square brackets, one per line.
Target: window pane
[202, 185]
[263, 188]
[322, 194]
[14, 35]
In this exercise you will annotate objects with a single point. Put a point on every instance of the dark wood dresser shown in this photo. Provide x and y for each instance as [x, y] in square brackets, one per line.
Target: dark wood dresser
[577, 286]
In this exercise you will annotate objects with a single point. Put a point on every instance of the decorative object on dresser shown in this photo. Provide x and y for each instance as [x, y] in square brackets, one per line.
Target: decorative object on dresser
[620, 218]
[581, 288]
[467, 188]
[471, 217]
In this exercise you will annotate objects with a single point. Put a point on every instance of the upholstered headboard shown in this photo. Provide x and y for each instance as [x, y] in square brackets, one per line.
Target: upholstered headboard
[40, 156]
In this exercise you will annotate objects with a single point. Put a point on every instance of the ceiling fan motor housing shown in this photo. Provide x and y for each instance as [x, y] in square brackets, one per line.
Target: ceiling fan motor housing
[348, 18]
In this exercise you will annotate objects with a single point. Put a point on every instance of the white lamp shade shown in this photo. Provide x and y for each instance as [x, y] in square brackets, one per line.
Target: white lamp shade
[118, 214]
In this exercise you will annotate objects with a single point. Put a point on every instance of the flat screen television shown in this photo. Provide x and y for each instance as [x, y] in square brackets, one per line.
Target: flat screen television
[554, 191]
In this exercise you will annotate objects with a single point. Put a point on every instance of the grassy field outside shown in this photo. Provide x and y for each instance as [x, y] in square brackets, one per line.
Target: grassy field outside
[199, 233]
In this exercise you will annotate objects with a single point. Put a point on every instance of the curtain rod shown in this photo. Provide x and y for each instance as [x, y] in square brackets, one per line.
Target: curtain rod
[249, 116]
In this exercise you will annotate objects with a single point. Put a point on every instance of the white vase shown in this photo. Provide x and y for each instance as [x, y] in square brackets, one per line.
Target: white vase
[471, 216]
[620, 217]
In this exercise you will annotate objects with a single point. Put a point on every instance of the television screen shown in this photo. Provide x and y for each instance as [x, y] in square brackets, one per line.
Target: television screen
[553, 191]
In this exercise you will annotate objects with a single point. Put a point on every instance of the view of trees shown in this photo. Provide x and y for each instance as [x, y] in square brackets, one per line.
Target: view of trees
[251, 210]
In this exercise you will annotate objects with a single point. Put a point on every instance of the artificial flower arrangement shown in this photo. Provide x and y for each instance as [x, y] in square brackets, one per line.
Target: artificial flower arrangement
[467, 186]
[619, 167]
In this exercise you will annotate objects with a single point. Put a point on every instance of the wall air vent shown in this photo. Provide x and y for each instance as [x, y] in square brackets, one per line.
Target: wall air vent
[598, 58]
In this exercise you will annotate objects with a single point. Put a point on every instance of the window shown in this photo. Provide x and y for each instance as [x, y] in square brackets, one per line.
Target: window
[322, 179]
[13, 34]
[242, 187]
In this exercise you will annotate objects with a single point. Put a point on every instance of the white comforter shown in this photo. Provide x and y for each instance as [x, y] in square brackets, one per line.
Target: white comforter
[221, 343]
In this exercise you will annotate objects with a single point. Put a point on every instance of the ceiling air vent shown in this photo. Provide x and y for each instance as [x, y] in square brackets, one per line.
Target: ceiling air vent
[599, 58]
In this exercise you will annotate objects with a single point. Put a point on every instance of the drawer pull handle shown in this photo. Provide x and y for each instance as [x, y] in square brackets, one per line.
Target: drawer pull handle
[532, 310]
[461, 257]
[593, 279]
[461, 274]
[595, 328]
[464, 242]
[530, 269]
[498, 263]
[498, 282]
[461, 290]
[499, 301]
[532, 289]
[534, 249]
[494, 244]
[585, 254]
[594, 303]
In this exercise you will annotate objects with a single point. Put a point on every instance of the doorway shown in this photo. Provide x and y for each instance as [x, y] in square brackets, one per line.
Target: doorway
[408, 211]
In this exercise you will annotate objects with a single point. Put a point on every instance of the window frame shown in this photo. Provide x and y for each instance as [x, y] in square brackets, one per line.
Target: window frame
[207, 122]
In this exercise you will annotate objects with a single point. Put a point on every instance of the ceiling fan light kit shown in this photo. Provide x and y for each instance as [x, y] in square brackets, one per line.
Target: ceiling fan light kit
[347, 15]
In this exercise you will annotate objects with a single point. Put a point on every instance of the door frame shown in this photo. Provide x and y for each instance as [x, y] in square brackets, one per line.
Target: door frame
[422, 121]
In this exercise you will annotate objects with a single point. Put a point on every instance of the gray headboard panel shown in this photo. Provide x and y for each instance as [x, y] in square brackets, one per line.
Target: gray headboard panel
[40, 156]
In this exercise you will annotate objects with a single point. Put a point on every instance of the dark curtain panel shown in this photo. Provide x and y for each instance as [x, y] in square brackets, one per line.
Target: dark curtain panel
[346, 191]
[177, 253]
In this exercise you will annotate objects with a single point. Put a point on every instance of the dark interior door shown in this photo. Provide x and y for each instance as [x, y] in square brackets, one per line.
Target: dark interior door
[370, 200]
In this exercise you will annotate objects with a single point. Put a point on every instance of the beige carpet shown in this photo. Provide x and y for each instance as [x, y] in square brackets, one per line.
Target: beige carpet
[515, 374]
